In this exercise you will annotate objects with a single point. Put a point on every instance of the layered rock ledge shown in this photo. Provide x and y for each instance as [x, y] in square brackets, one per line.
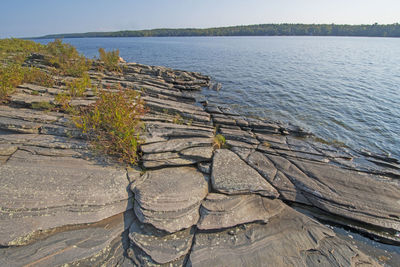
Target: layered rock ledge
[62, 204]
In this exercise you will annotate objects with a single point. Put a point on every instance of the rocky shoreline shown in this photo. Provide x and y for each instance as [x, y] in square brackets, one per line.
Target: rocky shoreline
[192, 204]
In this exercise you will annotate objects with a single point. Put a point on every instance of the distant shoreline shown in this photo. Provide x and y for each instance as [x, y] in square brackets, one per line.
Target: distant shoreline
[372, 30]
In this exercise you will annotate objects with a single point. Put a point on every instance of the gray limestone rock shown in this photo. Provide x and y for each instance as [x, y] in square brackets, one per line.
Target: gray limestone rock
[158, 246]
[43, 192]
[176, 145]
[79, 245]
[204, 167]
[267, 169]
[170, 198]
[221, 211]
[231, 175]
[288, 239]
[359, 196]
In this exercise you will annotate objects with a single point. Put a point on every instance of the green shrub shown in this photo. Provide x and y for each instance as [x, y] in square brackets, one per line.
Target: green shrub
[113, 124]
[64, 101]
[110, 59]
[10, 77]
[39, 77]
[77, 87]
[66, 59]
[17, 50]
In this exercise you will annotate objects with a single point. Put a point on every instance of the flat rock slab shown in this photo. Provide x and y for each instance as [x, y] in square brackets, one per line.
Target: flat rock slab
[159, 247]
[231, 175]
[187, 156]
[85, 245]
[41, 192]
[222, 211]
[359, 196]
[176, 145]
[169, 199]
[278, 179]
[288, 239]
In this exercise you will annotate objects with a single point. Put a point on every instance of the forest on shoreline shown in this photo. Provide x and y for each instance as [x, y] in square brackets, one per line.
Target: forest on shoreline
[372, 30]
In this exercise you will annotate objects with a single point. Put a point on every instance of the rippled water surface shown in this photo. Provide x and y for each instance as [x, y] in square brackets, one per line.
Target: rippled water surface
[343, 89]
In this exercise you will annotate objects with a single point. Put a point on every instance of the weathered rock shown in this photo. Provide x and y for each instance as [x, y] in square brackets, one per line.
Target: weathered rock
[170, 198]
[170, 130]
[231, 175]
[288, 239]
[19, 126]
[204, 167]
[80, 245]
[158, 246]
[267, 169]
[197, 153]
[30, 115]
[221, 211]
[187, 156]
[41, 192]
[359, 196]
[7, 149]
[186, 111]
[167, 159]
[27, 100]
[176, 145]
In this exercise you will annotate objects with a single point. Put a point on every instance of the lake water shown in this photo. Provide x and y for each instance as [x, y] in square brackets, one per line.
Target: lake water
[343, 89]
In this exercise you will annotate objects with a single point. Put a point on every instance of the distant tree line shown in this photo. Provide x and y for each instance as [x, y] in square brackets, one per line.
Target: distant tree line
[374, 30]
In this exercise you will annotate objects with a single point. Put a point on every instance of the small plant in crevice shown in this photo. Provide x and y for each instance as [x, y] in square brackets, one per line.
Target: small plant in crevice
[267, 144]
[43, 105]
[113, 124]
[219, 141]
[177, 119]
[77, 87]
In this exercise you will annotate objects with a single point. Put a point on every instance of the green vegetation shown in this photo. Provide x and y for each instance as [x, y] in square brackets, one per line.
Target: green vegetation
[14, 52]
[374, 30]
[43, 105]
[113, 124]
[77, 87]
[17, 50]
[219, 141]
[10, 77]
[14, 74]
[177, 119]
[110, 59]
[37, 76]
[66, 59]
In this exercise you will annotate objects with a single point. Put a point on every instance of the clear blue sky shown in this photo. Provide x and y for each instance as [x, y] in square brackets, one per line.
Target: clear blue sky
[23, 18]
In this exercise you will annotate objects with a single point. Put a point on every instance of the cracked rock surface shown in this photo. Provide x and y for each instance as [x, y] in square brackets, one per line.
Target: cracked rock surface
[191, 205]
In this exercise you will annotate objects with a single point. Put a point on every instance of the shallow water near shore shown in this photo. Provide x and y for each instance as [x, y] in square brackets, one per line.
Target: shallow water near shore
[343, 89]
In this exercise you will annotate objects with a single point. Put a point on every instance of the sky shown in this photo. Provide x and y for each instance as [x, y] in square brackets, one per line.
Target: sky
[31, 18]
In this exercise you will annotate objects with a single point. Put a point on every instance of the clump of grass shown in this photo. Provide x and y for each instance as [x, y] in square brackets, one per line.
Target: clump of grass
[113, 124]
[267, 144]
[63, 99]
[43, 105]
[177, 119]
[39, 77]
[77, 87]
[110, 59]
[219, 141]
[66, 59]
